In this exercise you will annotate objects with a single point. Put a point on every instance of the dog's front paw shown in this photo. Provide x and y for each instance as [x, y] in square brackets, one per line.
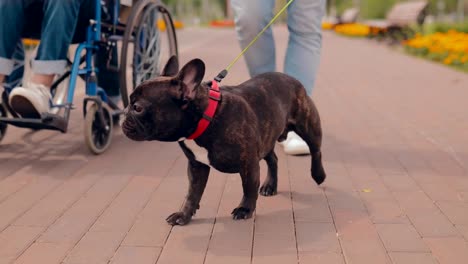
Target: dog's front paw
[241, 213]
[179, 218]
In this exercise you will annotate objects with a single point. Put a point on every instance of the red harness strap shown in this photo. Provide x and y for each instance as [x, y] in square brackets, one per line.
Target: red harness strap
[215, 97]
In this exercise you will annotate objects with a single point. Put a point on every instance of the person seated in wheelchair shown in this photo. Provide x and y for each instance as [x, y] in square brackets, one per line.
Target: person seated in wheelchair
[57, 23]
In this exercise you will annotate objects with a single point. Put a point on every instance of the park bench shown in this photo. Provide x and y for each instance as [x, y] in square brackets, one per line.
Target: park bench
[397, 23]
[349, 16]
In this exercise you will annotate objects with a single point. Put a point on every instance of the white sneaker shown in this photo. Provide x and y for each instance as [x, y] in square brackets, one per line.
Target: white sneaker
[30, 100]
[294, 145]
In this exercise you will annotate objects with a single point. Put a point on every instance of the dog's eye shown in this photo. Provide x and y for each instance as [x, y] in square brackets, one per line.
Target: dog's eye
[137, 108]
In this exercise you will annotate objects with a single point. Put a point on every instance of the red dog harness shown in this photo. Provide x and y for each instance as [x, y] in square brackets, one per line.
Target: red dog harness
[214, 97]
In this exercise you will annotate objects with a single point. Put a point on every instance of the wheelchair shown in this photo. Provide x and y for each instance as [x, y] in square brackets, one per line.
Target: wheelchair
[96, 61]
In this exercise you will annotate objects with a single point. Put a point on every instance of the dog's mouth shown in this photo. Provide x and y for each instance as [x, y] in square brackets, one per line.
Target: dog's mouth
[133, 128]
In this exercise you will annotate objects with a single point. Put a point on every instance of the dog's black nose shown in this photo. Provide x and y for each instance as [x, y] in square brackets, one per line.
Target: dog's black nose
[137, 108]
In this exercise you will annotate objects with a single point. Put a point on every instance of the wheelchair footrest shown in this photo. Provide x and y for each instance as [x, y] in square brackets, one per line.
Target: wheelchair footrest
[48, 121]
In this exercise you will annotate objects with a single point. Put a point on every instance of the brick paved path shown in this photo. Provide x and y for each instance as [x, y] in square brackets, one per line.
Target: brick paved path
[395, 149]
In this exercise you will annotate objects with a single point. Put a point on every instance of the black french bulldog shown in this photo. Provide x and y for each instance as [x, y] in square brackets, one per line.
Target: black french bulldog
[249, 120]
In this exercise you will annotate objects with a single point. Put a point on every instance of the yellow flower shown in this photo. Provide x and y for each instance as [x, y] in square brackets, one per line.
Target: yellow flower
[448, 61]
[452, 46]
[353, 29]
[162, 25]
[327, 26]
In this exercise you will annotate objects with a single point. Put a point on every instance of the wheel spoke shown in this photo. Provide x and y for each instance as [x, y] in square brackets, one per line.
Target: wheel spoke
[147, 54]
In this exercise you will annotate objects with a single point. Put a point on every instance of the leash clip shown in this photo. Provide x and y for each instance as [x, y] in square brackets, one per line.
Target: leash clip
[221, 75]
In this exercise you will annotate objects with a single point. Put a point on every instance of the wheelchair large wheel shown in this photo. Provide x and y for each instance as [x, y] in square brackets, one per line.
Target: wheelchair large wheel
[3, 126]
[149, 41]
[98, 137]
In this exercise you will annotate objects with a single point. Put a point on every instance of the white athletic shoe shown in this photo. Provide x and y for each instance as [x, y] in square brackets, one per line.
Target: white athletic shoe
[294, 145]
[30, 100]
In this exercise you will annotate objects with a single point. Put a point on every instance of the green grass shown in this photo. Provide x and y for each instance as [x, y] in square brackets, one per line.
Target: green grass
[432, 28]
[438, 60]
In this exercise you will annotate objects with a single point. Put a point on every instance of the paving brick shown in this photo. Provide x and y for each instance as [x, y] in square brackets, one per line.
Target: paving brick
[272, 248]
[317, 237]
[385, 212]
[414, 201]
[313, 209]
[373, 191]
[364, 251]
[14, 183]
[95, 247]
[432, 223]
[120, 215]
[150, 228]
[401, 237]
[193, 239]
[228, 256]
[456, 211]
[143, 255]
[22, 200]
[72, 225]
[400, 183]
[442, 192]
[51, 207]
[412, 258]
[320, 257]
[20, 153]
[50, 253]
[463, 229]
[451, 250]
[359, 240]
[14, 240]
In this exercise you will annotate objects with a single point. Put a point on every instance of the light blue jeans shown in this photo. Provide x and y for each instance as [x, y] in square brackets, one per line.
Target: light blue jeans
[305, 37]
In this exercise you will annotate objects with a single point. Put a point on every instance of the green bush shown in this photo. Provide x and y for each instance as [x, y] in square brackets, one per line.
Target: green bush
[450, 6]
[444, 27]
[376, 9]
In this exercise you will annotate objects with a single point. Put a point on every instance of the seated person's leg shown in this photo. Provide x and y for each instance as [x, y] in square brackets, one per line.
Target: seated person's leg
[14, 78]
[11, 26]
[58, 27]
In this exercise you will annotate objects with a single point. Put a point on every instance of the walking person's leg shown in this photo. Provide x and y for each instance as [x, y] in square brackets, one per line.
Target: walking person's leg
[305, 41]
[250, 17]
[303, 54]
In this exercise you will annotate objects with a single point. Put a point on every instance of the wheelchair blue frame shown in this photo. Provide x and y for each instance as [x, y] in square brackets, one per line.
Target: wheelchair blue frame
[101, 36]
[93, 35]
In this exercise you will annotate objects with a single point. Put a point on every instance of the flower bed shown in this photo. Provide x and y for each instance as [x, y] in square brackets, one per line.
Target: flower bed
[449, 48]
[327, 26]
[354, 30]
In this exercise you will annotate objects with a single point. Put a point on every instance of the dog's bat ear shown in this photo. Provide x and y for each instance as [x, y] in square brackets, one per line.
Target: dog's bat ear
[192, 75]
[172, 67]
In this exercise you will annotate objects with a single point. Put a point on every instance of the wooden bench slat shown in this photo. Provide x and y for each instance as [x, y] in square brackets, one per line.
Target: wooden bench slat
[402, 15]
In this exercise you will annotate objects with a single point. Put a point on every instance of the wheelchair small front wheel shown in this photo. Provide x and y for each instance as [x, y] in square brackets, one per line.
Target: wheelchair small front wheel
[98, 135]
[3, 126]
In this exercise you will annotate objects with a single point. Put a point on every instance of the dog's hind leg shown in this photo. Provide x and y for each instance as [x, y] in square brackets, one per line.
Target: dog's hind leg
[307, 126]
[270, 185]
